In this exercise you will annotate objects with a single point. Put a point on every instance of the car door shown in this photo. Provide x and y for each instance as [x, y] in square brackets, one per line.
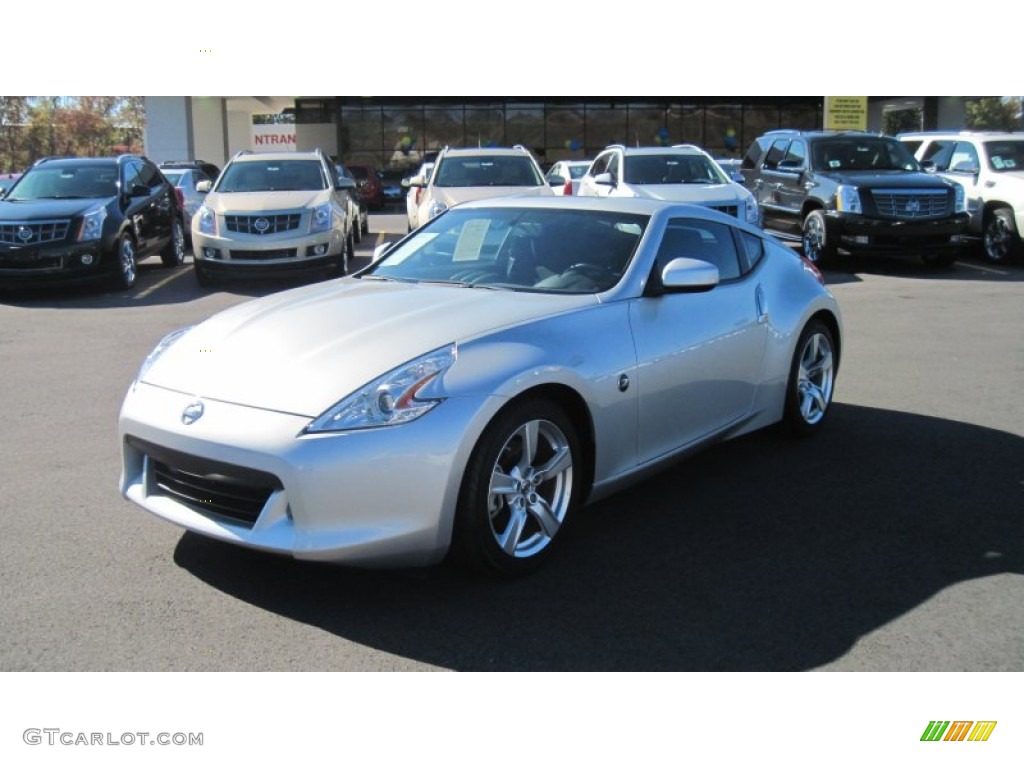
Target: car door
[774, 189]
[965, 169]
[699, 355]
[589, 187]
[161, 207]
[138, 208]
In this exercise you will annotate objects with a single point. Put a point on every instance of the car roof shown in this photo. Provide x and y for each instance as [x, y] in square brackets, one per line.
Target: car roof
[485, 152]
[677, 149]
[60, 161]
[961, 134]
[277, 156]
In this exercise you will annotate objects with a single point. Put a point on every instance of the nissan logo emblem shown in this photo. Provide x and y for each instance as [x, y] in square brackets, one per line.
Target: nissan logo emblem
[192, 413]
[24, 234]
[261, 225]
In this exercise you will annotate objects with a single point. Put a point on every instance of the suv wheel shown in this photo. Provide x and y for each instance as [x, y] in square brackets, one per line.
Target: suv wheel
[817, 249]
[203, 277]
[1000, 238]
[173, 254]
[127, 263]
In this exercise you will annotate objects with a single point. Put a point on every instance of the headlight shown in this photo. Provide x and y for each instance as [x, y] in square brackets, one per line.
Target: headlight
[391, 399]
[158, 350]
[323, 218]
[436, 208]
[92, 224]
[848, 199]
[750, 206]
[207, 221]
[960, 200]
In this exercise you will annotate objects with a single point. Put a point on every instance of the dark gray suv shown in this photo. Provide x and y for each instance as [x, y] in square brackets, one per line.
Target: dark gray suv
[848, 192]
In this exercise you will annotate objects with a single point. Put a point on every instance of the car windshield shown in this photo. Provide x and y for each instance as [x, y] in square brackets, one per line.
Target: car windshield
[862, 154]
[578, 171]
[488, 171]
[67, 182]
[672, 169]
[520, 249]
[1005, 155]
[173, 176]
[272, 176]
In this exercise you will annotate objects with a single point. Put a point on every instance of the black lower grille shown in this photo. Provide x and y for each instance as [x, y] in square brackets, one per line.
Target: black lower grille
[277, 253]
[49, 262]
[213, 488]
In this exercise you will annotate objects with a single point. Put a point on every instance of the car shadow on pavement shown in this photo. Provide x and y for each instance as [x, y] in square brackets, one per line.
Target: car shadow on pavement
[758, 554]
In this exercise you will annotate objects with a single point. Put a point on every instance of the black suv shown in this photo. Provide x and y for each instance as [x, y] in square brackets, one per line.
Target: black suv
[86, 218]
[852, 191]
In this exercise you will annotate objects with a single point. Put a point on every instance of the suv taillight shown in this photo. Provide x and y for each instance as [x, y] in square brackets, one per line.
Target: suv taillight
[181, 198]
[567, 190]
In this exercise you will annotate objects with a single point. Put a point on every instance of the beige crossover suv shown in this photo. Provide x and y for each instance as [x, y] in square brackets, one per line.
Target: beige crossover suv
[271, 213]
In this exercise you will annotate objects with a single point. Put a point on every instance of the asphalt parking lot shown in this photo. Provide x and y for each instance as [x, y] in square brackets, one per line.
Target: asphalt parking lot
[893, 541]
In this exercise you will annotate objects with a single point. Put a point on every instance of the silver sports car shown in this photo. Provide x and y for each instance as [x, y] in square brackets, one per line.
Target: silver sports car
[479, 383]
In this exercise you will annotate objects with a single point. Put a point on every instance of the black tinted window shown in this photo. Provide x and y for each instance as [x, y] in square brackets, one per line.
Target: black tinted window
[775, 154]
[704, 240]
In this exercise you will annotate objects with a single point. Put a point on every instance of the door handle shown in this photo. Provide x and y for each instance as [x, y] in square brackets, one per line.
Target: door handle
[762, 308]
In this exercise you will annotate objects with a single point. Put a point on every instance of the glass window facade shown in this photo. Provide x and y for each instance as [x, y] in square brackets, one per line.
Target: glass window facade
[397, 132]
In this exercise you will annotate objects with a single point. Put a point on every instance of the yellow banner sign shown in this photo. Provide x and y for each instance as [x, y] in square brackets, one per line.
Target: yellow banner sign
[846, 113]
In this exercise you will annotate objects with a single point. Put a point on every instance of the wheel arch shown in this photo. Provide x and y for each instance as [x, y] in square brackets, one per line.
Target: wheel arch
[832, 323]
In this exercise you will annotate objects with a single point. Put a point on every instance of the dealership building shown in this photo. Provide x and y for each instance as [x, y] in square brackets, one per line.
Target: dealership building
[395, 132]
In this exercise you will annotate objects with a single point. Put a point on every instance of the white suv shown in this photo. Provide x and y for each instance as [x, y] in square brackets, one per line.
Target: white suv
[990, 167]
[682, 173]
[274, 212]
[461, 175]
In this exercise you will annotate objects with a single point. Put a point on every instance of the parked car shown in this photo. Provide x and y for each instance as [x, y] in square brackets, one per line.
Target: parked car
[69, 219]
[273, 213]
[357, 209]
[415, 193]
[853, 192]
[682, 173]
[564, 176]
[615, 336]
[990, 168]
[208, 169]
[185, 180]
[370, 186]
[461, 175]
[391, 185]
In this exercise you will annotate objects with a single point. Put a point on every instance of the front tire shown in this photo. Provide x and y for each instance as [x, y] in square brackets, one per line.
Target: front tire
[173, 254]
[1001, 239]
[816, 245]
[521, 486]
[811, 381]
[202, 274]
[127, 263]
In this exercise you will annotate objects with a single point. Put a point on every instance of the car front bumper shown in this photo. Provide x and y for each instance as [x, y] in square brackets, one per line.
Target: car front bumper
[860, 233]
[249, 254]
[56, 262]
[375, 497]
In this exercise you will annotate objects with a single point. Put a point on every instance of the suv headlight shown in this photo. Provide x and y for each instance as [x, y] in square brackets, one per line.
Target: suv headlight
[207, 221]
[436, 208]
[750, 207]
[848, 199]
[92, 223]
[960, 198]
[389, 400]
[322, 219]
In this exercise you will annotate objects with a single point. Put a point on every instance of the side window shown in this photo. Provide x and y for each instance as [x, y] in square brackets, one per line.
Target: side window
[775, 154]
[796, 156]
[332, 174]
[939, 152]
[613, 167]
[132, 170]
[707, 241]
[965, 158]
[754, 153]
[600, 165]
[752, 250]
[150, 177]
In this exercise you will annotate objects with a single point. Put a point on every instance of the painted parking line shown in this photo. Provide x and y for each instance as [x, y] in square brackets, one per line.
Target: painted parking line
[159, 284]
[983, 269]
[380, 238]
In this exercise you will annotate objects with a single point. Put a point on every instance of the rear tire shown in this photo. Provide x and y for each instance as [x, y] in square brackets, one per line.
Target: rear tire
[127, 263]
[173, 254]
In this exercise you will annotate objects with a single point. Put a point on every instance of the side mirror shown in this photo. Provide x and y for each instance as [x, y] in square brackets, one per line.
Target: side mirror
[556, 181]
[604, 178]
[344, 182]
[684, 275]
[380, 252]
[415, 181]
[964, 166]
[204, 186]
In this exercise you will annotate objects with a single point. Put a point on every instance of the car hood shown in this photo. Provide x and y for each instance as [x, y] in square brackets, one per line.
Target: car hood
[888, 179]
[26, 210]
[257, 202]
[690, 193]
[301, 351]
[452, 196]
